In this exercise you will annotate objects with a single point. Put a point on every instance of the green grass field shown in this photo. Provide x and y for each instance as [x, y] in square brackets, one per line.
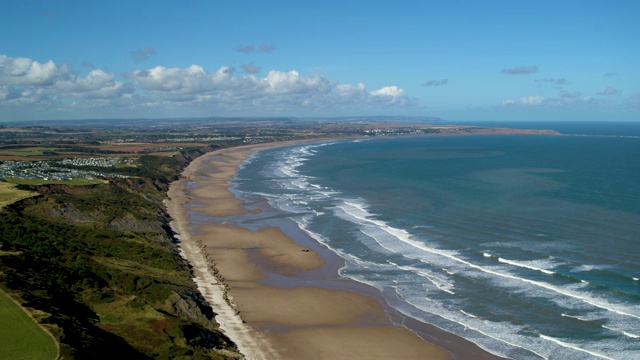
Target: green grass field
[9, 194]
[21, 338]
[76, 181]
[31, 151]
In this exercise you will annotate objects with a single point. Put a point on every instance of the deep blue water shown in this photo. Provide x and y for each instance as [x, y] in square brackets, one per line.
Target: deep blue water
[528, 246]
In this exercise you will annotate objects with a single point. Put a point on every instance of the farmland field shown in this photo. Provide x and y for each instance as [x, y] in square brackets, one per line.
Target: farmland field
[9, 194]
[20, 336]
[76, 181]
[34, 151]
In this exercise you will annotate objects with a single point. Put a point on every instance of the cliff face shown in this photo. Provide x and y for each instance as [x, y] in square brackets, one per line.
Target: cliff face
[102, 262]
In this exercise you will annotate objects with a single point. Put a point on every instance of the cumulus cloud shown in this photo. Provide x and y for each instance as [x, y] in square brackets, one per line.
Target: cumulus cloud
[389, 95]
[96, 85]
[277, 90]
[436, 82]
[142, 54]
[520, 70]
[51, 87]
[281, 82]
[347, 93]
[250, 68]
[25, 71]
[609, 90]
[191, 80]
[247, 49]
[267, 48]
[26, 81]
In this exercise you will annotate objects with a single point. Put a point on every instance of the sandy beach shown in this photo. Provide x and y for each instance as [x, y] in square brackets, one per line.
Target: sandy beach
[297, 321]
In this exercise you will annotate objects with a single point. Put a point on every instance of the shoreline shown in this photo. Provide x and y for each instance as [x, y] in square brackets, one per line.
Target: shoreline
[285, 298]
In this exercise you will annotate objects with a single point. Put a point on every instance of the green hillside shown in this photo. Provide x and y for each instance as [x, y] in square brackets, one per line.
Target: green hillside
[100, 260]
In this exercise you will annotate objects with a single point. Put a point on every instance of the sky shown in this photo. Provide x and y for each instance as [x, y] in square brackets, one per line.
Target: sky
[456, 60]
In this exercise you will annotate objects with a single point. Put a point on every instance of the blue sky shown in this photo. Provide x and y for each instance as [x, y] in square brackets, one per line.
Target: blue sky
[458, 60]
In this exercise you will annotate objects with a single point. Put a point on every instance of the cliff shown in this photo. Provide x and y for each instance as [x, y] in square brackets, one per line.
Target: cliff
[101, 263]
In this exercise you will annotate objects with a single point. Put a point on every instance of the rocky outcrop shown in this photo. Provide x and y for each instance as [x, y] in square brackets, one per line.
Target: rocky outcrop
[189, 305]
[128, 222]
[69, 213]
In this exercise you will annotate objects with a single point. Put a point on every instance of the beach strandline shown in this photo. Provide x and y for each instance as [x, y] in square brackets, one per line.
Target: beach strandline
[304, 319]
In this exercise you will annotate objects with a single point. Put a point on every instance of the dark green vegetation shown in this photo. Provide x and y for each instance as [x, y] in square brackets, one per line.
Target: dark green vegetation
[101, 262]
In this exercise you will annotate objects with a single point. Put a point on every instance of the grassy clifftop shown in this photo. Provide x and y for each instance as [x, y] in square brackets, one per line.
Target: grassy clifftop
[101, 263]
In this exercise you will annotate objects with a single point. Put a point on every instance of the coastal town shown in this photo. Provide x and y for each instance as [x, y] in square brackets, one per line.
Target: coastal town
[62, 170]
[67, 151]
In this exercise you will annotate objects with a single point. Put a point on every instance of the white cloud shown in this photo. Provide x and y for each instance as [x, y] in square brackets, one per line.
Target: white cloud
[565, 99]
[36, 86]
[161, 78]
[193, 90]
[25, 72]
[389, 95]
[532, 100]
[280, 82]
[97, 84]
[348, 91]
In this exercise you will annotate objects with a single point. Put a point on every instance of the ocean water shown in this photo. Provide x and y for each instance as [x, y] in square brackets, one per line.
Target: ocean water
[528, 246]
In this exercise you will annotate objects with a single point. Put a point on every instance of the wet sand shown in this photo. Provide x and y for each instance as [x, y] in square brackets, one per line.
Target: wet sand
[296, 316]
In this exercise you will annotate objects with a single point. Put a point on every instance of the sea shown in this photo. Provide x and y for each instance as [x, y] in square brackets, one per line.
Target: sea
[526, 245]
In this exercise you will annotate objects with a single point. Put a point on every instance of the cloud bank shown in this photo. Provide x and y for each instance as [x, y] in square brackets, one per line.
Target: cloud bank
[563, 99]
[26, 84]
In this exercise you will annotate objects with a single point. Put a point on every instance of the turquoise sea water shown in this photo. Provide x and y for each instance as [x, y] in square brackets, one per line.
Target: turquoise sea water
[529, 246]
